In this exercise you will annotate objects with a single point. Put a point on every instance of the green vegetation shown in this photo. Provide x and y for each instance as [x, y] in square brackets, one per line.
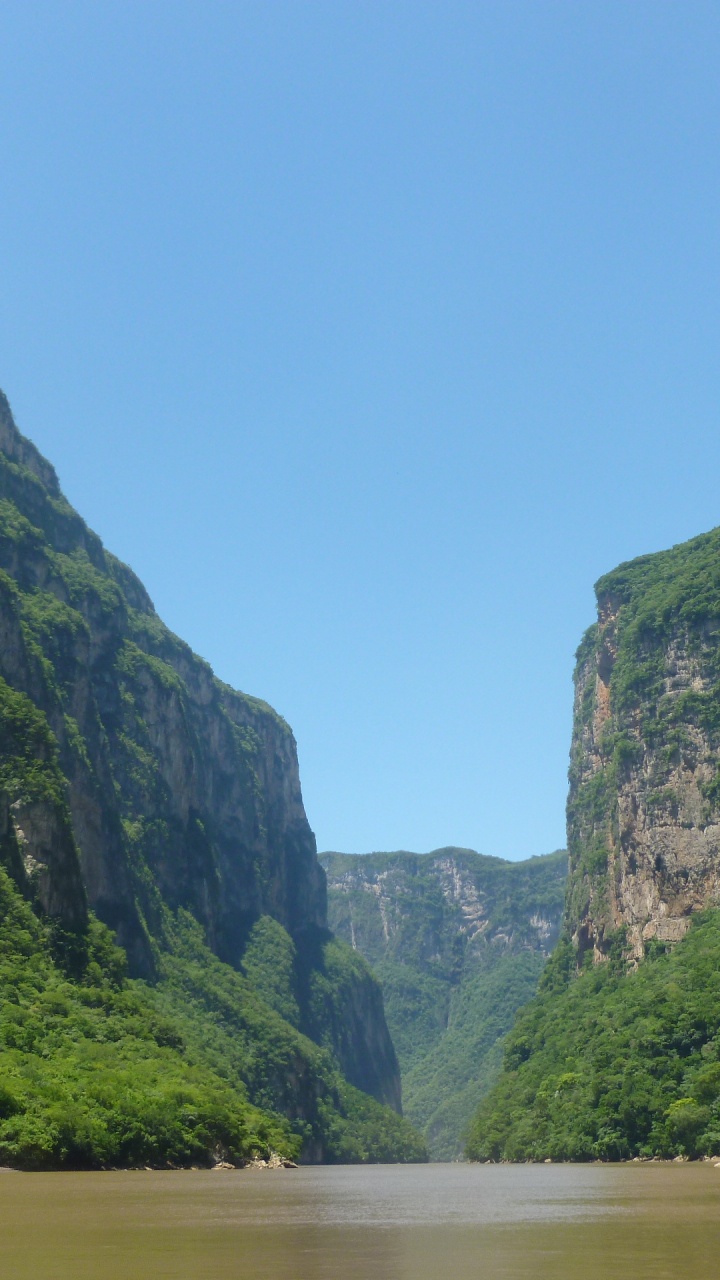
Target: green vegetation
[444, 1088]
[29, 767]
[91, 1072]
[457, 942]
[227, 1026]
[661, 605]
[269, 962]
[658, 596]
[610, 1062]
[613, 1064]
[133, 782]
[98, 1071]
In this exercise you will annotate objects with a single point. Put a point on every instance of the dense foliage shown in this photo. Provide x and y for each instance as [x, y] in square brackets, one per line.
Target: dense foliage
[443, 1089]
[96, 1070]
[134, 782]
[449, 993]
[92, 1073]
[612, 1064]
[623, 1060]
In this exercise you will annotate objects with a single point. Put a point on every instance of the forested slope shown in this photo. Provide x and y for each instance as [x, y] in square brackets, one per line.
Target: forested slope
[139, 793]
[619, 1055]
[458, 941]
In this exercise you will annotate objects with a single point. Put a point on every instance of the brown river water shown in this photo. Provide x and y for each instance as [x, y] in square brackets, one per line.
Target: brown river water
[423, 1222]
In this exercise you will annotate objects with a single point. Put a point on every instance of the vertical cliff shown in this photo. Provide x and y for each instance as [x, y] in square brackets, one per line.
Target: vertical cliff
[458, 941]
[643, 814]
[137, 785]
[618, 1055]
[178, 786]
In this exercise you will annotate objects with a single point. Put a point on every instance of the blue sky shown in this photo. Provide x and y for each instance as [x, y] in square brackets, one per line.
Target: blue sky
[370, 335]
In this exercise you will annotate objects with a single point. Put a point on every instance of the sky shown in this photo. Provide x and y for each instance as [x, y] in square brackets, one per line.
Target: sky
[370, 334]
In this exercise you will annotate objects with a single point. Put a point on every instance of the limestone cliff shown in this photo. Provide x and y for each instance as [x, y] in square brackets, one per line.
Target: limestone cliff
[458, 941]
[134, 782]
[621, 1060]
[643, 809]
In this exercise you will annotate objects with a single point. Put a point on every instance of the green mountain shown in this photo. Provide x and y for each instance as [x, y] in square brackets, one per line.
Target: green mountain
[171, 990]
[619, 1055]
[458, 941]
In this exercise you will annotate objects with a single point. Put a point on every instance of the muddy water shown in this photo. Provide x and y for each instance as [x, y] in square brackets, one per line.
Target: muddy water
[432, 1222]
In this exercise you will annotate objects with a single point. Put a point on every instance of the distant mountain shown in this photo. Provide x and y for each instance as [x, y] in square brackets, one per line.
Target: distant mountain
[458, 941]
[141, 795]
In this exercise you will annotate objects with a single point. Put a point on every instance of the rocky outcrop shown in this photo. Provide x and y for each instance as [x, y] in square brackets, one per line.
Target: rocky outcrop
[131, 779]
[627, 1067]
[458, 941]
[342, 1006]
[178, 785]
[643, 814]
[434, 906]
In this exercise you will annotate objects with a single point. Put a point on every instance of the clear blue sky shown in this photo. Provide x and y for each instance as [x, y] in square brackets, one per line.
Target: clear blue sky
[370, 334]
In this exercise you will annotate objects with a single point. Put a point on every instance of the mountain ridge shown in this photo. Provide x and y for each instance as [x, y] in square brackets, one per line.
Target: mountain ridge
[458, 940]
[618, 1056]
[139, 791]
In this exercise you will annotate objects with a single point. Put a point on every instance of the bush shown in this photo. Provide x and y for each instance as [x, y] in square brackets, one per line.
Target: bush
[614, 1064]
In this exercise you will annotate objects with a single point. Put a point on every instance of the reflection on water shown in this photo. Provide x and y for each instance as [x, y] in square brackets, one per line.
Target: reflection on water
[490, 1222]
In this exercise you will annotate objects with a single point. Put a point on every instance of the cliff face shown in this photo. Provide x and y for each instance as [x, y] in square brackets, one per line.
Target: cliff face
[643, 809]
[134, 782]
[458, 941]
[622, 1060]
[436, 908]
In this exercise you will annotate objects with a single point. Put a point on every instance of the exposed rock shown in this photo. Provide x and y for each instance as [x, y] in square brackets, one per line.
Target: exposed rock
[480, 900]
[132, 780]
[458, 941]
[274, 1161]
[643, 817]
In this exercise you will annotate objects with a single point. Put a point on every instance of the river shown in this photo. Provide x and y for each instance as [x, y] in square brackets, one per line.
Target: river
[421, 1222]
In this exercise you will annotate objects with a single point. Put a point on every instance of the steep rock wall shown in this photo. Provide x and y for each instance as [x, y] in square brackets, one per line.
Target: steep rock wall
[170, 772]
[458, 941]
[433, 907]
[133, 781]
[643, 813]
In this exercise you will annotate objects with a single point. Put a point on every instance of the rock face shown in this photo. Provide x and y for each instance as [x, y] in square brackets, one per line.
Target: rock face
[624, 1064]
[643, 809]
[439, 906]
[133, 781]
[458, 941]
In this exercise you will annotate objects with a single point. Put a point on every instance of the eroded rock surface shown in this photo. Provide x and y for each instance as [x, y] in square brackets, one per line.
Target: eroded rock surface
[458, 941]
[643, 816]
[132, 781]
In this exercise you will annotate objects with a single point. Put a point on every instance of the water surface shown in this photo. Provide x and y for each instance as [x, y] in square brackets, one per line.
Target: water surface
[423, 1222]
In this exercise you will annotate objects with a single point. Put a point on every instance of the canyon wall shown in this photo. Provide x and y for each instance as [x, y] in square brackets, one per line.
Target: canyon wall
[135, 784]
[458, 941]
[643, 809]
